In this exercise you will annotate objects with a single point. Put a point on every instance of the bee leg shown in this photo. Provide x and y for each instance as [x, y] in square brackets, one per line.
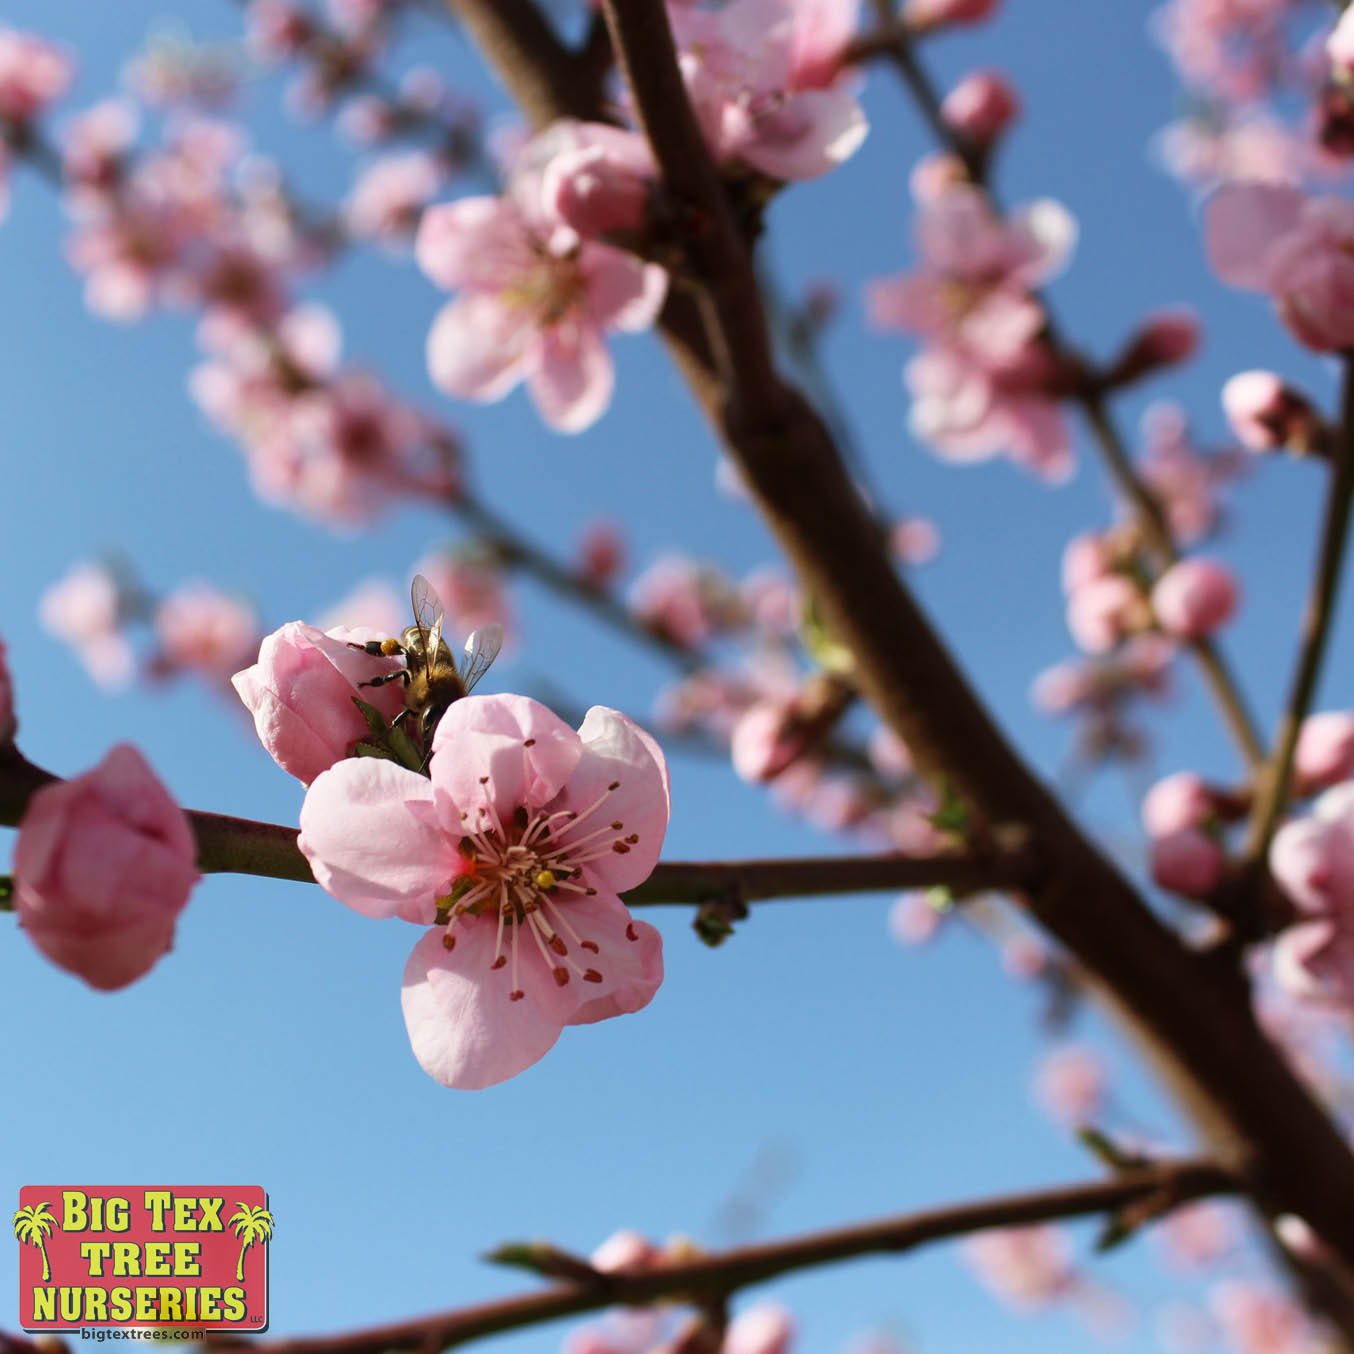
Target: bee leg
[398, 675]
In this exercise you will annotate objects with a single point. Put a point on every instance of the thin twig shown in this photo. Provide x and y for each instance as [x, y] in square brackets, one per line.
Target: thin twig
[1316, 630]
[1162, 1187]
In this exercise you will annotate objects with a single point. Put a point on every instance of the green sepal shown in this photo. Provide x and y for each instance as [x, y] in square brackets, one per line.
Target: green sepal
[365, 749]
[376, 721]
[404, 749]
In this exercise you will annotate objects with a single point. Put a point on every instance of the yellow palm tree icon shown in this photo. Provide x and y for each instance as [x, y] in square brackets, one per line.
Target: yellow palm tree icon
[251, 1223]
[34, 1225]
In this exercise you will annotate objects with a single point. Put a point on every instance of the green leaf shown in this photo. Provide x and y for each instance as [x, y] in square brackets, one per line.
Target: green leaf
[953, 815]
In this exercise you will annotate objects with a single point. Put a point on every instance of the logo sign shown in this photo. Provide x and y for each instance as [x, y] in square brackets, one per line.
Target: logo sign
[160, 1258]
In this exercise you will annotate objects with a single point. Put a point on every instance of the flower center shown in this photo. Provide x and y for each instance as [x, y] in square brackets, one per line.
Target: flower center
[550, 289]
[527, 872]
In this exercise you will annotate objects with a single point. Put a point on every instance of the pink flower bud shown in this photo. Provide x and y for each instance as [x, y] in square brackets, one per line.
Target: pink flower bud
[913, 921]
[764, 741]
[914, 540]
[1165, 340]
[1187, 862]
[1325, 752]
[1265, 413]
[103, 867]
[601, 554]
[923, 14]
[981, 106]
[1178, 802]
[301, 691]
[599, 183]
[1071, 1084]
[625, 1251]
[1194, 598]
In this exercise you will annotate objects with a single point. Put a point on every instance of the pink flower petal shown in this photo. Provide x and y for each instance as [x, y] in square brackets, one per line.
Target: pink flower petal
[571, 376]
[629, 957]
[478, 243]
[524, 755]
[371, 836]
[618, 752]
[463, 1026]
[622, 292]
[1242, 222]
[477, 347]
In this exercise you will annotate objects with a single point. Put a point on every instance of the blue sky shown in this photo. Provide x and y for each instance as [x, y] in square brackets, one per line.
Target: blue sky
[269, 1047]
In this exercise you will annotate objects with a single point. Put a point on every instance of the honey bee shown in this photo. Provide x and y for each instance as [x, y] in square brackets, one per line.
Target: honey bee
[432, 677]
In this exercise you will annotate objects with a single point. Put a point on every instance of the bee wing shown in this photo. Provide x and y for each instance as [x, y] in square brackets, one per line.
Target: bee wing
[480, 651]
[429, 616]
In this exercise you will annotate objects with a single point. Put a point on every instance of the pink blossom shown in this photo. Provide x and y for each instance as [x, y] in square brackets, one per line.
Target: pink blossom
[1194, 598]
[1105, 611]
[534, 303]
[513, 854]
[686, 600]
[765, 740]
[969, 414]
[598, 178]
[1072, 1085]
[1298, 249]
[1325, 751]
[1024, 957]
[85, 610]
[1312, 858]
[1188, 862]
[103, 867]
[764, 1328]
[1196, 1236]
[389, 198]
[278, 29]
[33, 74]
[976, 269]
[1258, 1320]
[1249, 146]
[1265, 413]
[1028, 1268]
[914, 540]
[202, 630]
[913, 920]
[601, 554]
[94, 151]
[1187, 483]
[1231, 48]
[626, 1251]
[765, 79]
[1179, 801]
[981, 106]
[301, 690]
[772, 602]
[921, 15]
[1087, 559]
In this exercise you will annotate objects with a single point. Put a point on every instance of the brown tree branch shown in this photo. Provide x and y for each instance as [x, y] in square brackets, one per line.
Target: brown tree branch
[1194, 1013]
[241, 846]
[1160, 1187]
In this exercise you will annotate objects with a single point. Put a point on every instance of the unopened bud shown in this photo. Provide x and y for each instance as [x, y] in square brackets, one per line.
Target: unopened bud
[1266, 414]
[1165, 340]
[981, 106]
